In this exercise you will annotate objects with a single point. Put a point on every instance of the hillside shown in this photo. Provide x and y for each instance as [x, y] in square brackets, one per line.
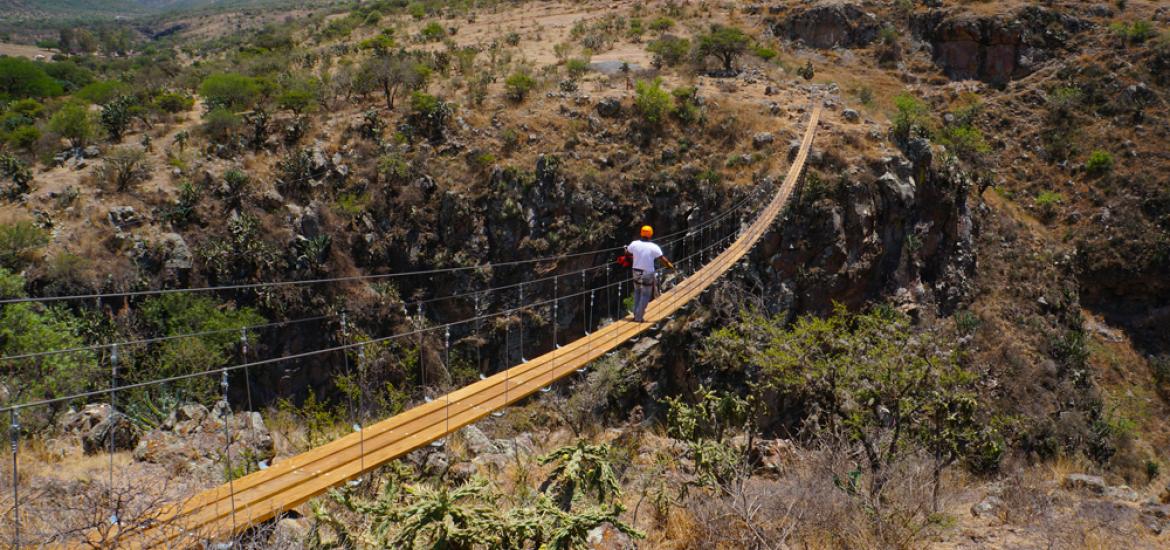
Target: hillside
[954, 336]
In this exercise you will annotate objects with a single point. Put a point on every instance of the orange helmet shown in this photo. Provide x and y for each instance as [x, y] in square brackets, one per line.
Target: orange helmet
[647, 231]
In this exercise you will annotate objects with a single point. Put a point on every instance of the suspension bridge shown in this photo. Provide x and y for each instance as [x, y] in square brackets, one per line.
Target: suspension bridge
[227, 510]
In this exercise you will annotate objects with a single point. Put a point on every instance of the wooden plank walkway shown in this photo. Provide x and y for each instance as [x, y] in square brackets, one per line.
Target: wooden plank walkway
[223, 511]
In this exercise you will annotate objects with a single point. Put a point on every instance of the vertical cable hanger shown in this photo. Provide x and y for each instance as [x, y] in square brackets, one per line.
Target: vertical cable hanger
[227, 445]
[520, 309]
[111, 427]
[446, 394]
[14, 435]
[555, 321]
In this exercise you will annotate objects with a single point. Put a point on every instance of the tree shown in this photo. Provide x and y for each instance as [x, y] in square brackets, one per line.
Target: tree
[220, 125]
[580, 467]
[229, 90]
[73, 122]
[20, 77]
[911, 116]
[429, 114]
[116, 116]
[300, 94]
[887, 387]
[395, 73]
[724, 43]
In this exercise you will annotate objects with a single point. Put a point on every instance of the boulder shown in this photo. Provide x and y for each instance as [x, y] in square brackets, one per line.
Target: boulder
[115, 430]
[762, 139]
[1122, 492]
[851, 115]
[178, 253]
[609, 107]
[123, 217]
[608, 537]
[988, 507]
[91, 152]
[1085, 483]
[80, 422]
[830, 24]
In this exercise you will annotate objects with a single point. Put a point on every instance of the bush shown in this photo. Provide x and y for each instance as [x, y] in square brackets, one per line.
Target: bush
[429, 114]
[965, 141]
[661, 24]
[686, 108]
[651, 101]
[518, 85]
[19, 242]
[669, 50]
[576, 67]
[1135, 32]
[910, 117]
[229, 90]
[300, 95]
[103, 91]
[1047, 201]
[433, 32]
[73, 122]
[765, 53]
[220, 125]
[29, 108]
[24, 137]
[123, 166]
[1100, 162]
[173, 102]
[20, 77]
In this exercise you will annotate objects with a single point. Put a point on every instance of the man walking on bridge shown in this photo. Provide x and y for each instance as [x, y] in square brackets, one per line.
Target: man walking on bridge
[645, 254]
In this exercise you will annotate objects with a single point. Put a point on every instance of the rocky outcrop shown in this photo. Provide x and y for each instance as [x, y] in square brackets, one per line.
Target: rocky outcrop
[994, 48]
[98, 425]
[195, 439]
[830, 24]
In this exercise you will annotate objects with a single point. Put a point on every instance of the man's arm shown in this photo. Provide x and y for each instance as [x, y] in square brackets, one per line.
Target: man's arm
[666, 261]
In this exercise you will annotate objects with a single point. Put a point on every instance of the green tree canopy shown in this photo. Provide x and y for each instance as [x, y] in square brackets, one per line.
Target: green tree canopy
[724, 43]
[230, 90]
[20, 78]
[73, 122]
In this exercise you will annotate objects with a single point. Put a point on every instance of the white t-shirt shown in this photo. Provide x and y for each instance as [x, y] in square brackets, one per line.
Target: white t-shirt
[645, 252]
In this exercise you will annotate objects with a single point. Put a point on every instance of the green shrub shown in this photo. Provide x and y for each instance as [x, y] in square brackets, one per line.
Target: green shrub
[1100, 162]
[173, 102]
[576, 67]
[965, 141]
[29, 108]
[512, 38]
[103, 91]
[765, 53]
[417, 10]
[73, 122]
[20, 77]
[220, 125]
[518, 85]
[229, 90]
[910, 116]
[1047, 202]
[300, 95]
[24, 137]
[1135, 32]
[651, 101]
[19, 243]
[433, 32]
[686, 108]
[116, 116]
[393, 167]
[669, 50]
[661, 23]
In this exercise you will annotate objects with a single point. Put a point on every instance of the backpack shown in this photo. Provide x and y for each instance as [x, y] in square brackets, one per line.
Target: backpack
[625, 259]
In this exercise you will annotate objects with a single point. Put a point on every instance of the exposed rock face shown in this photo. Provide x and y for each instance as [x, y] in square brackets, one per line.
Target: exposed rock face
[996, 48]
[900, 226]
[607, 537]
[830, 24]
[195, 439]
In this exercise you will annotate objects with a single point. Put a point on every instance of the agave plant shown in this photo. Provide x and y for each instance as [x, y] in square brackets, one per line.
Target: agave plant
[580, 467]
